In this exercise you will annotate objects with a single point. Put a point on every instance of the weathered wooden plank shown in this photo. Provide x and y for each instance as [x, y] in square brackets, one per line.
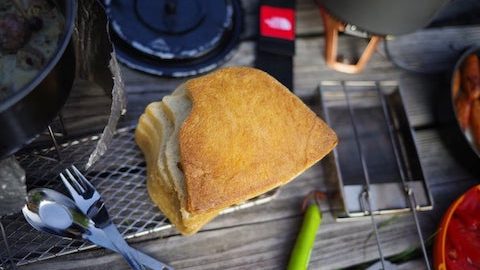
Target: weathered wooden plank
[437, 162]
[250, 19]
[262, 245]
[433, 50]
[308, 21]
[421, 96]
[309, 68]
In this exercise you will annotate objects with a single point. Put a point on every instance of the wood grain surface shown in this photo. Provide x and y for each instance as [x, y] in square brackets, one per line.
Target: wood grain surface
[262, 237]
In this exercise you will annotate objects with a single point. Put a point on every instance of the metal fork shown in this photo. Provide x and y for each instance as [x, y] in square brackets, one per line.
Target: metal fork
[89, 201]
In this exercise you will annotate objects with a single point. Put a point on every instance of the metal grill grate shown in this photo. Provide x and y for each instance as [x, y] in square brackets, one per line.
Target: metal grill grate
[377, 165]
[120, 178]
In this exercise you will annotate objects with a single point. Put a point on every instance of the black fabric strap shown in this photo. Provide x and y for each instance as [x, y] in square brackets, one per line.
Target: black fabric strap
[276, 40]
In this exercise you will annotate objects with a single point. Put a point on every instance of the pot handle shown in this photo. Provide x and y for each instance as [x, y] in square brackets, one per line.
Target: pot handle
[332, 28]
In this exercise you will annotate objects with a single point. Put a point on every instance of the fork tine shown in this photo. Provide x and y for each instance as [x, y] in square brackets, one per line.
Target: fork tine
[70, 187]
[82, 177]
[75, 181]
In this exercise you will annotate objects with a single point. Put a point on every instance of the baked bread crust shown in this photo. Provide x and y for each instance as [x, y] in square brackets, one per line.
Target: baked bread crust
[246, 134]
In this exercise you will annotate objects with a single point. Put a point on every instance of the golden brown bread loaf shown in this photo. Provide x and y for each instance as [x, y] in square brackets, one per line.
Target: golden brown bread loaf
[224, 138]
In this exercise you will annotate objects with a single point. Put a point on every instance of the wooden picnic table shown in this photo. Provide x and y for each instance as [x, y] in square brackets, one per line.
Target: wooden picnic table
[262, 237]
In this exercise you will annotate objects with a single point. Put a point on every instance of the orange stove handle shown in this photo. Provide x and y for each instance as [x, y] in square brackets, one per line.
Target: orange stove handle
[332, 28]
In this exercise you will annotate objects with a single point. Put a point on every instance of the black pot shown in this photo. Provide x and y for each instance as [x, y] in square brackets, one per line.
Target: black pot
[384, 17]
[29, 111]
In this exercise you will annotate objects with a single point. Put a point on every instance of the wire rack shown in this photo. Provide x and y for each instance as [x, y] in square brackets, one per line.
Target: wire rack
[120, 178]
[378, 168]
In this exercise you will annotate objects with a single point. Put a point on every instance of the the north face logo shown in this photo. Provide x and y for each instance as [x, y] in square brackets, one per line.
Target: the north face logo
[277, 22]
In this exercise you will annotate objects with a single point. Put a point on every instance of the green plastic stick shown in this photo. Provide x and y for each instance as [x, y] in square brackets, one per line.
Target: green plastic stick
[306, 238]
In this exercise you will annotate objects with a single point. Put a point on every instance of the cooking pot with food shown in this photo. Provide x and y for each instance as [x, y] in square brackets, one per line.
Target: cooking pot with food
[37, 67]
[458, 111]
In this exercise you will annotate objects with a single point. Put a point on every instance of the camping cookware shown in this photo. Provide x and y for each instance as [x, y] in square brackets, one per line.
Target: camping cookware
[372, 19]
[458, 139]
[29, 110]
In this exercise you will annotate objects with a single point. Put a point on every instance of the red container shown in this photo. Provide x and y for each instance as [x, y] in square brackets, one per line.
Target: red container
[457, 244]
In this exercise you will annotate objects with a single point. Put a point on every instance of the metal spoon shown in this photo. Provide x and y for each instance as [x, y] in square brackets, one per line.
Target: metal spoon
[52, 212]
